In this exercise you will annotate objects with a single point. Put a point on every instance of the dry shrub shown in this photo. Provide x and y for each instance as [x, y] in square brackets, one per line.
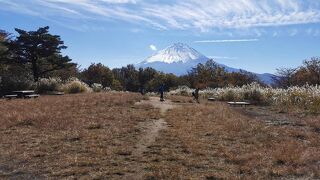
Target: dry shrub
[314, 106]
[45, 85]
[74, 85]
[97, 87]
[299, 99]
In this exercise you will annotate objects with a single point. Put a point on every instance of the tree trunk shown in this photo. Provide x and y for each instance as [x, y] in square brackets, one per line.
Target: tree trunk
[35, 69]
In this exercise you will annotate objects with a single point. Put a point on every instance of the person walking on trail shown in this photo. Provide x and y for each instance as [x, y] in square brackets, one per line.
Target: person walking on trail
[142, 91]
[195, 95]
[161, 91]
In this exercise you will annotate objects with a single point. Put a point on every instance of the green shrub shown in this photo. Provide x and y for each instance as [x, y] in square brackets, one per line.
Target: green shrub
[116, 85]
[14, 78]
[9, 84]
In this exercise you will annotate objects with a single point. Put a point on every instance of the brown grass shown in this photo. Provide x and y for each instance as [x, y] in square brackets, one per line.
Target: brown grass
[81, 136]
[181, 99]
[93, 136]
[213, 141]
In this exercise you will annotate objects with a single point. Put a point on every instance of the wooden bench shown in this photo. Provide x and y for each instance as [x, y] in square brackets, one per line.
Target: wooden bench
[59, 93]
[239, 104]
[211, 99]
[24, 93]
[56, 93]
[31, 96]
[13, 96]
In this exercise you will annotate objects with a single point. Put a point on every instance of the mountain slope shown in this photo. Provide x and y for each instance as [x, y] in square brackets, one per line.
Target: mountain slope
[180, 58]
[177, 53]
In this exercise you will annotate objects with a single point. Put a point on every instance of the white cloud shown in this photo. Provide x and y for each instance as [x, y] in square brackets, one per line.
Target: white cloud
[226, 40]
[153, 47]
[208, 14]
[120, 1]
[203, 15]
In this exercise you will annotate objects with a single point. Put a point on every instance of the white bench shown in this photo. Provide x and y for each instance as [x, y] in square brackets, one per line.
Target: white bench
[31, 96]
[239, 103]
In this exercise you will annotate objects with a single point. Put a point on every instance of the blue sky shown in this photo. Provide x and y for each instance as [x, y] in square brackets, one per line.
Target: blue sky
[256, 35]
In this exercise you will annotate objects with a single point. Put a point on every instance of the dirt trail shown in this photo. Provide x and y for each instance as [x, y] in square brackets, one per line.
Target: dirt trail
[151, 128]
[150, 131]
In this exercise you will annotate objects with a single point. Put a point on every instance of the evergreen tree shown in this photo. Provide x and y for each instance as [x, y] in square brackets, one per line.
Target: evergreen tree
[39, 51]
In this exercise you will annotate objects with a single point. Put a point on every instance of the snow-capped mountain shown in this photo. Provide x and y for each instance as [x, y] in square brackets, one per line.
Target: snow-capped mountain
[177, 53]
[180, 58]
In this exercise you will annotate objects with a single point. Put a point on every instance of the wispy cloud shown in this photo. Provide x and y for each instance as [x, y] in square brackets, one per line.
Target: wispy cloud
[293, 32]
[313, 32]
[226, 40]
[153, 47]
[121, 1]
[203, 15]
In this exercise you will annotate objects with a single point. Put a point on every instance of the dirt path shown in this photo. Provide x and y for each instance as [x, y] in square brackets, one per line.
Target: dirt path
[150, 131]
[151, 128]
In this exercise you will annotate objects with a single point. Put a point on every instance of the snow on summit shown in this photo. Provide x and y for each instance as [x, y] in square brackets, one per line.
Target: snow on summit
[180, 58]
[178, 52]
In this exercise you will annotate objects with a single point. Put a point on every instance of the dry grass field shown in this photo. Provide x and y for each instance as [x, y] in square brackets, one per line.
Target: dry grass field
[84, 136]
[110, 136]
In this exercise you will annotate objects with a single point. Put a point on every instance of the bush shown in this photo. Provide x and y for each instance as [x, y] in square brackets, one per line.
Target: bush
[229, 96]
[314, 107]
[14, 78]
[9, 84]
[185, 91]
[97, 87]
[74, 85]
[255, 97]
[45, 85]
[116, 85]
[306, 98]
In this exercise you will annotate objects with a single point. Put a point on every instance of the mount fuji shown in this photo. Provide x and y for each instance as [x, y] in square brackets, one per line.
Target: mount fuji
[180, 58]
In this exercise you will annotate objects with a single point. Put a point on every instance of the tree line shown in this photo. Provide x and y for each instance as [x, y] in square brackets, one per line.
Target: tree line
[307, 73]
[32, 55]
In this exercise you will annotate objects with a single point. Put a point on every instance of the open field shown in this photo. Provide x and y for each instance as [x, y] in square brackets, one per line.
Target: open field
[128, 136]
[87, 135]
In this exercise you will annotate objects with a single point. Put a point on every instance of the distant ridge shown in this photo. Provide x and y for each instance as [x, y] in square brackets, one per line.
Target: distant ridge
[180, 58]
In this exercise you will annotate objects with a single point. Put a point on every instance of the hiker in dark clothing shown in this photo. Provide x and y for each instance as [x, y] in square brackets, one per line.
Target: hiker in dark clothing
[161, 91]
[195, 94]
[142, 91]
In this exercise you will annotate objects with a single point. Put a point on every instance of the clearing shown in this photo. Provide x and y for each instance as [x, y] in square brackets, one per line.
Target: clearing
[129, 136]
